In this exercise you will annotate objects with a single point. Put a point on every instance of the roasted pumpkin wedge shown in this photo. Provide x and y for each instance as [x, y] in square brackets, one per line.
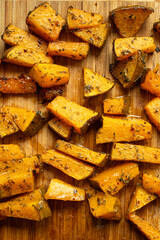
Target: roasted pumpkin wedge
[73, 114]
[7, 125]
[150, 231]
[48, 75]
[151, 82]
[10, 151]
[130, 70]
[45, 22]
[151, 183]
[48, 94]
[136, 153]
[15, 36]
[104, 206]
[115, 178]
[13, 182]
[77, 18]
[123, 130]
[126, 47]
[69, 165]
[31, 206]
[60, 190]
[95, 35]
[129, 19]
[95, 84]
[153, 112]
[74, 50]
[17, 85]
[156, 26]
[23, 56]
[140, 198]
[117, 105]
[82, 153]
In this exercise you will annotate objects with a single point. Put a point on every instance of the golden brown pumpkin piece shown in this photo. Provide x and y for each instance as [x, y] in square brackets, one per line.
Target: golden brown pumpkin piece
[18, 85]
[77, 18]
[74, 50]
[156, 26]
[70, 166]
[151, 82]
[104, 206]
[94, 35]
[24, 56]
[15, 182]
[126, 47]
[22, 117]
[32, 163]
[10, 151]
[31, 206]
[15, 36]
[45, 22]
[73, 114]
[115, 178]
[129, 71]
[117, 106]
[95, 84]
[7, 125]
[150, 231]
[151, 183]
[60, 190]
[129, 19]
[153, 112]
[137, 153]
[140, 198]
[48, 75]
[123, 130]
[61, 128]
[82, 153]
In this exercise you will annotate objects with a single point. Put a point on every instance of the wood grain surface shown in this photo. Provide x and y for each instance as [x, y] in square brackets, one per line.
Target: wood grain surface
[71, 220]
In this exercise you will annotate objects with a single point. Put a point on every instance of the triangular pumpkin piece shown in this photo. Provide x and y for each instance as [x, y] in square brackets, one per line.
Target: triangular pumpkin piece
[140, 198]
[95, 84]
[22, 117]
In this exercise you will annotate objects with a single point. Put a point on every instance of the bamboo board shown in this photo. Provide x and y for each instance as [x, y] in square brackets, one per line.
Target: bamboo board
[73, 221]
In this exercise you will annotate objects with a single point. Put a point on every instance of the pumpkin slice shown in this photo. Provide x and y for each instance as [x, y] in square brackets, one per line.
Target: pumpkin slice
[10, 151]
[153, 112]
[151, 183]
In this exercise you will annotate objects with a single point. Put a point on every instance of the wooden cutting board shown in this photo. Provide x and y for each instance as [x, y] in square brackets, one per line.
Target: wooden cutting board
[73, 221]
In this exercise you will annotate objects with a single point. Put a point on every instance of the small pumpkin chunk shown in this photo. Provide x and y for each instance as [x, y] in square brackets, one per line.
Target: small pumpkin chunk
[156, 26]
[15, 36]
[48, 75]
[31, 206]
[150, 231]
[137, 153]
[15, 182]
[70, 166]
[73, 114]
[77, 18]
[115, 178]
[95, 84]
[123, 130]
[153, 112]
[93, 35]
[74, 50]
[151, 183]
[129, 19]
[61, 128]
[117, 106]
[82, 153]
[45, 22]
[21, 117]
[140, 198]
[129, 71]
[60, 190]
[7, 125]
[151, 82]
[126, 47]
[10, 151]
[48, 94]
[23, 56]
[103, 205]
[17, 85]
